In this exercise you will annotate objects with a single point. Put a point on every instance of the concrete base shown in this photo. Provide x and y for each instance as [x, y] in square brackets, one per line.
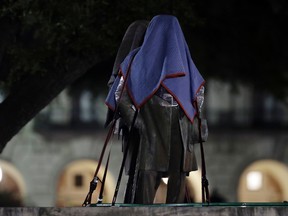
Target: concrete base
[129, 210]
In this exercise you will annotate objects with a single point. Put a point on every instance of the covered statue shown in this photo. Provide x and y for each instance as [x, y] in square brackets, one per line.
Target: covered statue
[158, 85]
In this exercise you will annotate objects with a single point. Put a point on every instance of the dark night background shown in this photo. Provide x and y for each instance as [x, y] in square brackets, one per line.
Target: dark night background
[46, 46]
[49, 46]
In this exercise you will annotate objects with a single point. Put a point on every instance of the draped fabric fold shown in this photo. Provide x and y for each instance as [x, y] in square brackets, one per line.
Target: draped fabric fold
[163, 59]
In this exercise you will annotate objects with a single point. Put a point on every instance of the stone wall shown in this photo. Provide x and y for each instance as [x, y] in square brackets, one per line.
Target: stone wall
[228, 153]
[41, 158]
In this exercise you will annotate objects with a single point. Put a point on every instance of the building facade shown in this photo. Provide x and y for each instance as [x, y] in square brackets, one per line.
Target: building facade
[53, 159]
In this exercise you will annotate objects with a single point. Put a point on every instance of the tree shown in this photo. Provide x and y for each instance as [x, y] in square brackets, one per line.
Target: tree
[48, 45]
[246, 42]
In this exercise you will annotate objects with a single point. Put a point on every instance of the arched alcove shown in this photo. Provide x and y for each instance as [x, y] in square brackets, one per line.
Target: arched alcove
[264, 181]
[193, 183]
[12, 185]
[74, 181]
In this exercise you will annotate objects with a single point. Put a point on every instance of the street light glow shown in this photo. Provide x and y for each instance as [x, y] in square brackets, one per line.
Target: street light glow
[254, 180]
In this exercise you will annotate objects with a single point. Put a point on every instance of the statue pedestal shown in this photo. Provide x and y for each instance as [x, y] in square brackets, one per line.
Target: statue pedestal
[235, 209]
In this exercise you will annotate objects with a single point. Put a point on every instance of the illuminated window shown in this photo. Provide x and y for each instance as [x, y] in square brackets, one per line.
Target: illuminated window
[78, 180]
[254, 180]
[165, 180]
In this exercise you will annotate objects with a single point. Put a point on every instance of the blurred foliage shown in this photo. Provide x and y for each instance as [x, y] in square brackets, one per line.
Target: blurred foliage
[245, 41]
[51, 33]
[229, 39]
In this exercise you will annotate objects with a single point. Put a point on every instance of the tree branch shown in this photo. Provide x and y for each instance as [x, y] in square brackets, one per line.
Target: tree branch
[32, 95]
